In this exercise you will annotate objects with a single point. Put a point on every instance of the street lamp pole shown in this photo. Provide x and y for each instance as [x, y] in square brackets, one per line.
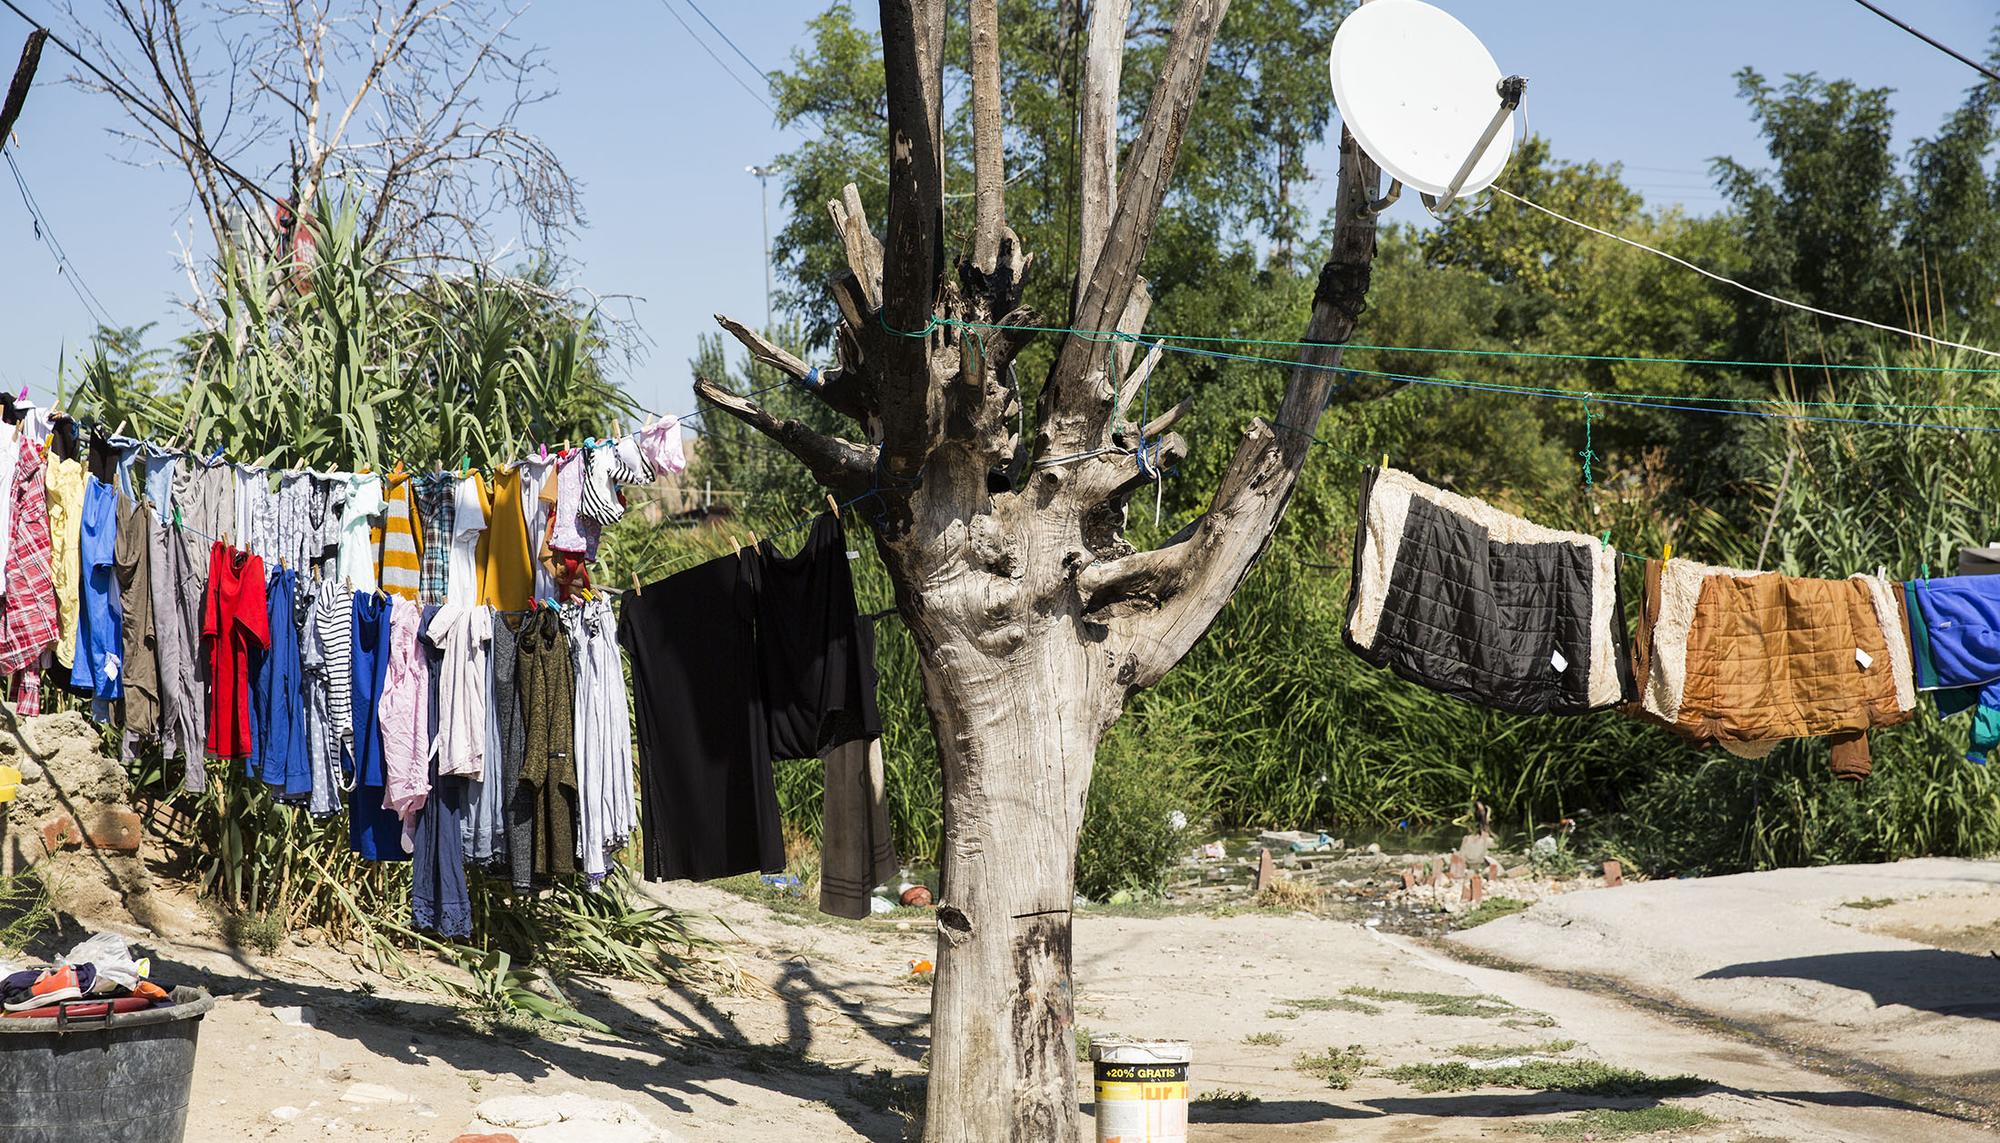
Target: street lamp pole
[763, 175]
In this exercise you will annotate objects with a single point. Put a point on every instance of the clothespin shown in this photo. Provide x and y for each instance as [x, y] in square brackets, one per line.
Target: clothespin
[617, 428]
[120, 430]
[735, 546]
[831, 505]
[636, 589]
[1606, 537]
[1667, 553]
[545, 452]
[1385, 460]
[464, 463]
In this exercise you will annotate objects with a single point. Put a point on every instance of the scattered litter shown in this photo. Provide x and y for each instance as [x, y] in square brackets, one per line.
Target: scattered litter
[298, 1015]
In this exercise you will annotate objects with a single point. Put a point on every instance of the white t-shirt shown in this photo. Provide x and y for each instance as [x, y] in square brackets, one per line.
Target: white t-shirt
[356, 563]
[468, 521]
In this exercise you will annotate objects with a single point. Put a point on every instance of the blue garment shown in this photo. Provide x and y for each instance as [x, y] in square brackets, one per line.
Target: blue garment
[1955, 646]
[438, 898]
[100, 627]
[372, 832]
[126, 453]
[159, 465]
[277, 698]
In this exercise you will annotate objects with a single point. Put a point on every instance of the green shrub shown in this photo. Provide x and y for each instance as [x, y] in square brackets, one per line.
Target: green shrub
[1142, 815]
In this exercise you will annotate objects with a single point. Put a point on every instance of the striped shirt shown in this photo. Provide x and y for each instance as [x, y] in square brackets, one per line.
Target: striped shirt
[334, 616]
[600, 490]
[396, 537]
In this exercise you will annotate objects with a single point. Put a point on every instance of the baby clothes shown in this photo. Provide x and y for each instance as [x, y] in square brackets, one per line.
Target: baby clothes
[660, 444]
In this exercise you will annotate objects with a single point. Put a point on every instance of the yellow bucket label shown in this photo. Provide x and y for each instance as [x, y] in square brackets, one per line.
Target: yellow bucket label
[1142, 1103]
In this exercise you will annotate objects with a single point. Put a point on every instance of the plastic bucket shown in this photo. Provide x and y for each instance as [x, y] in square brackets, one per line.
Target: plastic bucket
[117, 1077]
[1142, 1090]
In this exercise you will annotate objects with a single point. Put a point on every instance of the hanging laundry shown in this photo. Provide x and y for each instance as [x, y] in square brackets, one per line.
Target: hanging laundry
[570, 529]
[397, 538]
[404, 715]
[1954, 629]
[538, 500]
[507, 573]
[324, 660]
[100, 633]
[463, 637]
[256, 513]
[1745, 660]
[434, 499]
[65, 500]
[178, 589]
[235, 629]
[355, 563]
[857, 849]
[279, 755]
[139, 710]
[660, 444]
[1455, 595]
[10, 459]
[548, 768]
[606, 816]
[101, 456]
[159, 464]
[308, 512]
[601, 470]
[439, 901]
[30, 618]
[373, 831]
[501, 824]
[468, 540]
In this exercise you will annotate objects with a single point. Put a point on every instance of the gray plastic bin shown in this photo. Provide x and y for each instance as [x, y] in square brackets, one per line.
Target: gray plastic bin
[121, 1078]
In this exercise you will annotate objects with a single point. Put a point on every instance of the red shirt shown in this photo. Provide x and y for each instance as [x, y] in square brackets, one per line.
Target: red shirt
[233, 624]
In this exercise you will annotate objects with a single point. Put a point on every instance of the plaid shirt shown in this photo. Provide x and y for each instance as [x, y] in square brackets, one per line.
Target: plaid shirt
[437, 518]
[30, 621]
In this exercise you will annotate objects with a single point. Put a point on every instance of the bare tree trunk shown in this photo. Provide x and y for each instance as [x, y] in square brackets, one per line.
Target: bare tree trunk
[1034, 618]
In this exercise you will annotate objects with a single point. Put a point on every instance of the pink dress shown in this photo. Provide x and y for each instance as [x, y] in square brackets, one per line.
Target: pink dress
[660, 444]
[404, 713]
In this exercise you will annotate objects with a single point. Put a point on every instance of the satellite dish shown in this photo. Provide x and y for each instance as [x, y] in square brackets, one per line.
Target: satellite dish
[1424, 98]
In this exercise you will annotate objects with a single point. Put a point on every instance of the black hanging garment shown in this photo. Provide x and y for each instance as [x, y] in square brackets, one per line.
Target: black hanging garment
[1458, 596]
[819, 686]
[707, 802]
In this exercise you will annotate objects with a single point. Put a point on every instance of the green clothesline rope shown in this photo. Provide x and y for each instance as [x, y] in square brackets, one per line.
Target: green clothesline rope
[1119, 335]
[1528, 390]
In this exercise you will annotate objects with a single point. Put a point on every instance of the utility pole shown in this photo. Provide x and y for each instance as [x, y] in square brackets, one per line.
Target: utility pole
[763, 176]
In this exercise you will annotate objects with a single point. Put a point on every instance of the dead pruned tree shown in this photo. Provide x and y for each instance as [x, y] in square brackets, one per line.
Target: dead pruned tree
[1035, 619]
[416, 102]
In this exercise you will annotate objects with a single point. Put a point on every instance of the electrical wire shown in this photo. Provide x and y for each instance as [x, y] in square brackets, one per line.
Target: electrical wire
[65, 269]
[1947, 49]
[1731, 282]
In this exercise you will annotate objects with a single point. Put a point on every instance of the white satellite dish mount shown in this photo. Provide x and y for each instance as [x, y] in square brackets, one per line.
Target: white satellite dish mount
[1425, 99]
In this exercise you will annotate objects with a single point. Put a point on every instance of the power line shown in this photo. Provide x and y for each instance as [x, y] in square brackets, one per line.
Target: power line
[725, 38]
[65, 269]
[1769, 297]
[719, 61]
[1954, 53]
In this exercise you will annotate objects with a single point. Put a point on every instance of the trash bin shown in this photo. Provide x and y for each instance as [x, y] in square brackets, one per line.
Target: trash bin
[116, 1078]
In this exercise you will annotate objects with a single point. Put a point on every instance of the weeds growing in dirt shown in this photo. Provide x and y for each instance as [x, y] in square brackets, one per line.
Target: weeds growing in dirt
[1264, 1039]
[1576, 1077]
[1502, 1051]
[1491, 909]
[26, 909]
[1869, 903]
[1216, 1097]
[1443, 1003]
[1290, 896]
[1337, 1066]
[1622, 1123]
[1331, 1004]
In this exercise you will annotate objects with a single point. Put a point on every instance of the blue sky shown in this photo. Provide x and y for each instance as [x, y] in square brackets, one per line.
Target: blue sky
[659, 135]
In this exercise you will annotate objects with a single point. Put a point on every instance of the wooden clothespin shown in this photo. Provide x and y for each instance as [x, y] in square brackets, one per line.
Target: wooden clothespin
[636, 589]
[120, 430]
[835, 508]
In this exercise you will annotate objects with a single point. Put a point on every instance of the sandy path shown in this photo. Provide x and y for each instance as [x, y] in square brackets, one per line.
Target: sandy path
[799, 1059]
[1822, 960]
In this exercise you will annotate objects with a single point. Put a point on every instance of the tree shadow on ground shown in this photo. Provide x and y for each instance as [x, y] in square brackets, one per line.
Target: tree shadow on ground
[1934, 980]
[672, 1052]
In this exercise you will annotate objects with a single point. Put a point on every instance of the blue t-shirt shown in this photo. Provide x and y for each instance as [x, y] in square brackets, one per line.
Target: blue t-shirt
[100, 627]
[277, 697]
[372, 832]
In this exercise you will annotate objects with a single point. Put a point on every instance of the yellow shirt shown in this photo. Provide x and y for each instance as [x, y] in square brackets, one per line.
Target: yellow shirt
[65, 492]
[507, 571]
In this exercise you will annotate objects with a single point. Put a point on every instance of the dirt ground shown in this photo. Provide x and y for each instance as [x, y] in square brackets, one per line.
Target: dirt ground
[823, 1043]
